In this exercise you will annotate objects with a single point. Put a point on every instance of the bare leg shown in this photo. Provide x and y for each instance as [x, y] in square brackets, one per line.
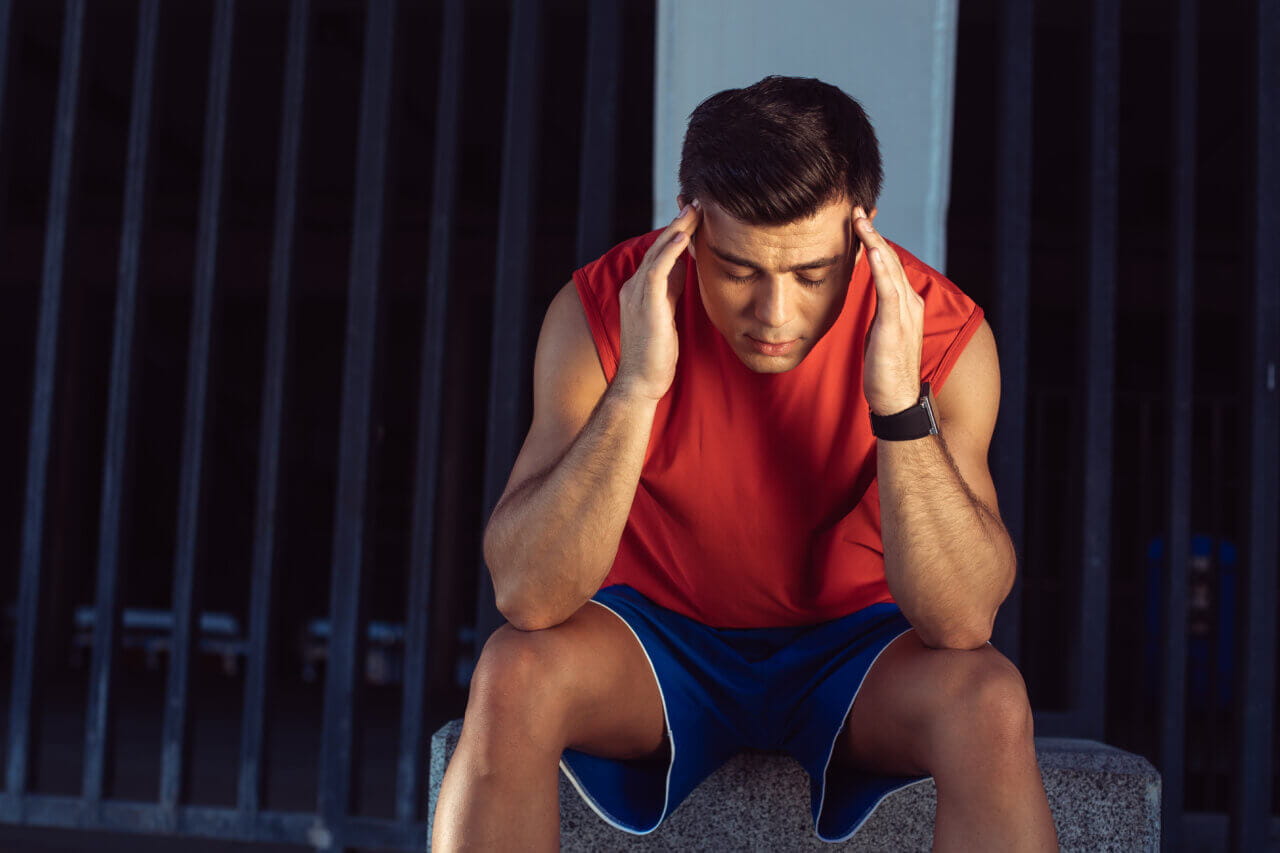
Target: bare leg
[585, 683]
[964, 718]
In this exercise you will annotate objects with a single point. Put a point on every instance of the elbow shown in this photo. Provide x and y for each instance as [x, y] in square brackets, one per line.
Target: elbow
[525, 615]
[960, 636]
[520, 604]
[527, 596]
[960, 641]
[513, 600]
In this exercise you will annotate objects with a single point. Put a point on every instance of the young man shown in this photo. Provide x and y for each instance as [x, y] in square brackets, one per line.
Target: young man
[754, 491]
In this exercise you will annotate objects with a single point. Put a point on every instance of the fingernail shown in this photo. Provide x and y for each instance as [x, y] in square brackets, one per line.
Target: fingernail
[684, 210]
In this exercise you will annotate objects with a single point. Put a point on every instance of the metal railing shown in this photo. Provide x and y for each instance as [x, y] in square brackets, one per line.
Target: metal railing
[333, 824]
[1251, 821]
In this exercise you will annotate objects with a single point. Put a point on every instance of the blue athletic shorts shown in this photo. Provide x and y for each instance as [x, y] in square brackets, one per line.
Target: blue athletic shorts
[725, 690]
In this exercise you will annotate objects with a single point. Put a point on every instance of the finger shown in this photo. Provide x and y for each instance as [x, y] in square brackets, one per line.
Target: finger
[867, 233]
[871, 242]
[886, 266]
[686, 221]
[889, 296]
[662, 263]
[677, 226]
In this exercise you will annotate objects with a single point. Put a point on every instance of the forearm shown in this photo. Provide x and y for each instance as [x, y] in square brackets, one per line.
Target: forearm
[551, 542]
[948, 559]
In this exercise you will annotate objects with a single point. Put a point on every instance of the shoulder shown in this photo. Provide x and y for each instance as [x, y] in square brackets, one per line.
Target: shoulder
[951, 318]
[614, 267]
[971, 399]
[598, 284]
[926, 280]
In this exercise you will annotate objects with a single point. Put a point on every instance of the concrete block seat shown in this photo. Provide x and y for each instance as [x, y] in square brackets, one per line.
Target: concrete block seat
[1103, 799]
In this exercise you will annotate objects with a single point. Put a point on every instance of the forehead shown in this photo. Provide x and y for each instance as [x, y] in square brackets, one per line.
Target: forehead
[824, 234]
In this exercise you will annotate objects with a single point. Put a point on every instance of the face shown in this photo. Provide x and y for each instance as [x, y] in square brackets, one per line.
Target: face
[774, 290]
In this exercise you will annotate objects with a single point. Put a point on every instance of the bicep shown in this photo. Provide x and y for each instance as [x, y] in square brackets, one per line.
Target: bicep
[568, 382]
[967, 406]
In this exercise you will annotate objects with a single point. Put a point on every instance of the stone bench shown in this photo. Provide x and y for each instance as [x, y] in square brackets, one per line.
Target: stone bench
[1103, 799]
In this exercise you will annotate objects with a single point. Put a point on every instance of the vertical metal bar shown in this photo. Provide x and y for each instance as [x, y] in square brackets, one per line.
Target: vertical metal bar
[1089, 657]
[252, 724]
[599, 129]
[1173, 720]
[337, 747]
[115, 453]
[1012, 313]
[96, 718]
[426, 453]
[1251, 805]
[6, 16]
[508, 366]
[173, 747]
[17, 770]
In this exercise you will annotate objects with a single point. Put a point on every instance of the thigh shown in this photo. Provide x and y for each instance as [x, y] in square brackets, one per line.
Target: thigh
[907, 690]
[588, 678]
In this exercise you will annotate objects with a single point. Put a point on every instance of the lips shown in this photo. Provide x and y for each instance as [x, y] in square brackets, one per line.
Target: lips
[772, 348]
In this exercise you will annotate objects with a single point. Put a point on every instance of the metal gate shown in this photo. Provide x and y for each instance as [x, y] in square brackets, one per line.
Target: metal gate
[344, 637]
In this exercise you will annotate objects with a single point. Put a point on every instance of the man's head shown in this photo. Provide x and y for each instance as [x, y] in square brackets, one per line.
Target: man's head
[778, 168]
[780, 149]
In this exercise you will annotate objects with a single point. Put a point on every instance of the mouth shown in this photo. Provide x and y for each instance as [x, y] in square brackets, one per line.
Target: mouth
[772, 348]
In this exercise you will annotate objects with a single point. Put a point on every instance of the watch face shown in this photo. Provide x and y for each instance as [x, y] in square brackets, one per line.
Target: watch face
[928, 407]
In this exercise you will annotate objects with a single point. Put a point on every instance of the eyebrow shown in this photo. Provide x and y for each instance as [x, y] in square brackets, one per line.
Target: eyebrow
[743, 262]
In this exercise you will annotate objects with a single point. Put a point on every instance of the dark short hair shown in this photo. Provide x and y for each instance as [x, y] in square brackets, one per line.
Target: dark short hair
[779, 150]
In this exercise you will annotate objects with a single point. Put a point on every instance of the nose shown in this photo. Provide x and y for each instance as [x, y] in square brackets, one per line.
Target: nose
[772, 302]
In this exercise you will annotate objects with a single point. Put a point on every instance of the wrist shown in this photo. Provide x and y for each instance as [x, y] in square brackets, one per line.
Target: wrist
[914, 421]
[633, 393]
[896, 404]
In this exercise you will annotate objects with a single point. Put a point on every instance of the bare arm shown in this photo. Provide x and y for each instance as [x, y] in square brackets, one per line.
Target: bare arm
[554, 534]
[948, 558]
[949, 561]
[552, 538]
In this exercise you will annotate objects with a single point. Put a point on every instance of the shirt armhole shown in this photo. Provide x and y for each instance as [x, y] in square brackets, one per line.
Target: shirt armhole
[604, 347]
[957, 345]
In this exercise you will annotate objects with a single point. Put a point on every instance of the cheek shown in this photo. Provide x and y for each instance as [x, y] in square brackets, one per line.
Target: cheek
[723, 303]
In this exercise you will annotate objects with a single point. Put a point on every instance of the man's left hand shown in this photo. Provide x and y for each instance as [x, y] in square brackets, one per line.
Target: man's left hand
[891, 369]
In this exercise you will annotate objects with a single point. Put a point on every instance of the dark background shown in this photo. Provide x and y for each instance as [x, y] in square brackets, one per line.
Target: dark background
[1058, 276]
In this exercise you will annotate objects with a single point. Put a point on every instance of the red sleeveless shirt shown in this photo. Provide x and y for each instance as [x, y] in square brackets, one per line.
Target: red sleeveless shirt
[758, 504]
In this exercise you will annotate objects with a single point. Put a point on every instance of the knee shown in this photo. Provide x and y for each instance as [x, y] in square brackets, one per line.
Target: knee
[517, 680]
[986, 710]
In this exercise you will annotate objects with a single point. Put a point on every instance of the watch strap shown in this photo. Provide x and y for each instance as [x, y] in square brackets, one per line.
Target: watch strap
[908, 425]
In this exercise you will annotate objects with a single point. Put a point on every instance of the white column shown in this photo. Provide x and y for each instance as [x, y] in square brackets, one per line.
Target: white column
[897, 57]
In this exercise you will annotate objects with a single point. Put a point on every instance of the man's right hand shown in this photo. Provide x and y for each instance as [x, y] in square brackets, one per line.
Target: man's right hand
[647, 304]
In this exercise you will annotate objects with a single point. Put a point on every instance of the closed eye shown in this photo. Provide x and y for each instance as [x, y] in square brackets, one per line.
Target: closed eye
[807, 282]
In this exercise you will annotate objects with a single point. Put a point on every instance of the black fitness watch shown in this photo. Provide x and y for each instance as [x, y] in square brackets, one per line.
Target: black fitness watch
[916, 422]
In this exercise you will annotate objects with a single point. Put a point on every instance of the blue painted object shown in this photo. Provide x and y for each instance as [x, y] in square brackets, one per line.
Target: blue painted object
[1211, 622]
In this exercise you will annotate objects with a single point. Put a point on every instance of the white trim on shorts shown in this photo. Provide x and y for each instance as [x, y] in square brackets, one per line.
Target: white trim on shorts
[666, 794]
[822, 801]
